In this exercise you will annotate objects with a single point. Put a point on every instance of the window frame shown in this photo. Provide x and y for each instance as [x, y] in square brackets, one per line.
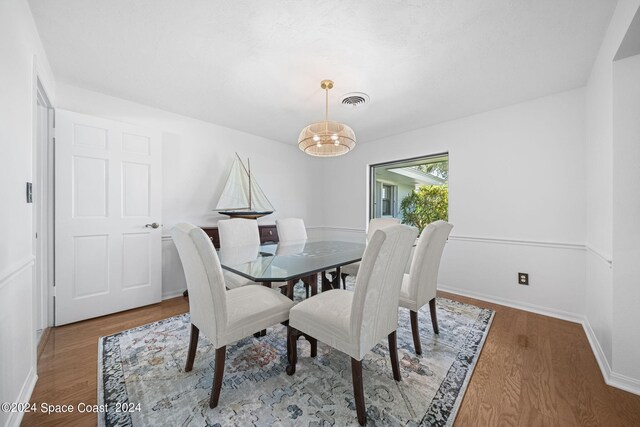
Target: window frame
[372, 177]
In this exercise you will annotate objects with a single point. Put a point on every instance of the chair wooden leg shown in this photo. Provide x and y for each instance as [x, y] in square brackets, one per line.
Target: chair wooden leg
[393, 352]
[262, 333]
[415, 331]
[193, 346]
[434, 318]
[344, 280]
[314, 346]
[217, 376]
[358, 391]
[292, 350]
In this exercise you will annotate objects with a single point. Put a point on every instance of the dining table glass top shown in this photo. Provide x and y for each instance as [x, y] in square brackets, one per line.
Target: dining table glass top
[282, 262]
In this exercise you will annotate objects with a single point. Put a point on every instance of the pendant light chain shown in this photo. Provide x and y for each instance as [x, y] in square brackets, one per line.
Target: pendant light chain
[326, 110]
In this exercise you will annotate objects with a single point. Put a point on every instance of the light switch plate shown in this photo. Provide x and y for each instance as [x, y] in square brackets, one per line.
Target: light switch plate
[29, 192]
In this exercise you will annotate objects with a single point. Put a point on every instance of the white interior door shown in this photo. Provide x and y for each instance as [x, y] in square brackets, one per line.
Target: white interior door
[107, 188]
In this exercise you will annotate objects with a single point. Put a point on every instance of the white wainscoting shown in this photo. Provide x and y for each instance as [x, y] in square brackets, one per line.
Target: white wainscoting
[16, 327]
[598, 320]
[632, 385]
[487, 268]
[604, 258]
[10, 273]
[173, 281]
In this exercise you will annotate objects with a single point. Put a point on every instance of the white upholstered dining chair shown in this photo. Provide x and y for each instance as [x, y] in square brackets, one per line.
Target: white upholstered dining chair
[291, 230]
[223, 316]
[291, 234]
[238, 232]
[374, 224]
[354, 322]
[420, 285]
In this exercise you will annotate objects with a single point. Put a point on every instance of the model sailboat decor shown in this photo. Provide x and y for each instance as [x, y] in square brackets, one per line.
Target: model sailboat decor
[242, 197]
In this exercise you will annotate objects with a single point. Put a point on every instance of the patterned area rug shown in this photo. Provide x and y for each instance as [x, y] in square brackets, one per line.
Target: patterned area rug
[142, 370]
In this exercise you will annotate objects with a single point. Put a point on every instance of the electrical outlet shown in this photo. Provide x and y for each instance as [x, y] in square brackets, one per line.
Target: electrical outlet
[523, 279]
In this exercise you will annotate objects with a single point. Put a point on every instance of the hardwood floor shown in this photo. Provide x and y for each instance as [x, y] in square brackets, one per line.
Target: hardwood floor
[539, 371]
[533, 371]
[68, 367]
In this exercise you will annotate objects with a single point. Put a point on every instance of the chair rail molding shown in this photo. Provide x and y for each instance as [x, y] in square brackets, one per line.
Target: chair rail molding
[16, 269]
[520, 242]
[607, 259]
[343, 229]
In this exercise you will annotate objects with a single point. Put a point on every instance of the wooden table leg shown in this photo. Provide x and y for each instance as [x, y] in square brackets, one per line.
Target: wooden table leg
[263, 332]
[290, 285]
[311, 281]
[314, 284]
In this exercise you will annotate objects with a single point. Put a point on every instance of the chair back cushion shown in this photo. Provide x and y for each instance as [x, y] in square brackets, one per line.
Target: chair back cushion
[205, 282]
[379, 223]
[291, 248]
[423, 274]
[291, 230]
[374, 313]
[238, 232]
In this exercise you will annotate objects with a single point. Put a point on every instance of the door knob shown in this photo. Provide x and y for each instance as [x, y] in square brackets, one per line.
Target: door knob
[152, 225]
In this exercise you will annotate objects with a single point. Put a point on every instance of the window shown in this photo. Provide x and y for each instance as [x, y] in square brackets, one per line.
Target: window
[415, 190]
[388, 202]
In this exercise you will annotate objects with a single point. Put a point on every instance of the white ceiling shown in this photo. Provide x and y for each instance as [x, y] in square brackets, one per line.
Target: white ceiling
[256, 66]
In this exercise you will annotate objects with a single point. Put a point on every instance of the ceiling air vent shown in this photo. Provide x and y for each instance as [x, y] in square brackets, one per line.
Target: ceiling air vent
[354, 99]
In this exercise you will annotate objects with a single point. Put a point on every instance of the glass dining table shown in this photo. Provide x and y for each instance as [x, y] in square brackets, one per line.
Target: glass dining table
[291, 261]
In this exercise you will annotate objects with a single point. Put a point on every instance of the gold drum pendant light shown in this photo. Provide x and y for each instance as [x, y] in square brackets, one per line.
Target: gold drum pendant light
[328, 138]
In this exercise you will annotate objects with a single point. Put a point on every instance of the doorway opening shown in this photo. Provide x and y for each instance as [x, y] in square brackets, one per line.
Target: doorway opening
[43, 212]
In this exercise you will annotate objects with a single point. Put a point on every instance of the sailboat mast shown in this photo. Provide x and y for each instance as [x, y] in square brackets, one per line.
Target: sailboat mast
[249, 167]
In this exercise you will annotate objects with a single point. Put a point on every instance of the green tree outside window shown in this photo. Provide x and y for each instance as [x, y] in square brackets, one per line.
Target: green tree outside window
[424, 205]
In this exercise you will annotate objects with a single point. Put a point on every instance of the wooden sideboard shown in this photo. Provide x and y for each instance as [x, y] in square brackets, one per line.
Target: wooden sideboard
[268, 234]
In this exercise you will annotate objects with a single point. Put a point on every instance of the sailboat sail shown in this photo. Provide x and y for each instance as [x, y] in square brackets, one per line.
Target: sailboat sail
[242, 192]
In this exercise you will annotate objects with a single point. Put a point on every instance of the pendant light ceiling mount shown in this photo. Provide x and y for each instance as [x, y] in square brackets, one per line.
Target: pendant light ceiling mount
[326, 84]
[328, 138]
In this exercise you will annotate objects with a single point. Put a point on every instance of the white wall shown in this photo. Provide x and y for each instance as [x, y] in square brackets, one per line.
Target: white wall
[516, 199]
[197, 157]
[626, 215]
[600, 308]
[21, 53]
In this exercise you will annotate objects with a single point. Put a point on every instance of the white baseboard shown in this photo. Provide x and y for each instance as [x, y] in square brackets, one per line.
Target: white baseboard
[545, 311]
[15, 418]
[173, 294]
[611, 378]
[623, 382]
[603, 363]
